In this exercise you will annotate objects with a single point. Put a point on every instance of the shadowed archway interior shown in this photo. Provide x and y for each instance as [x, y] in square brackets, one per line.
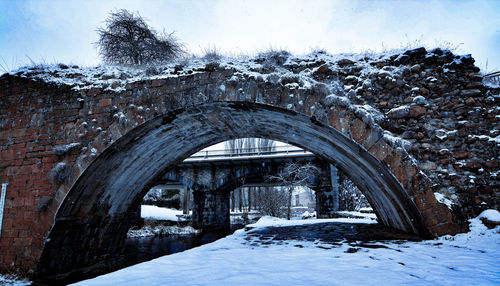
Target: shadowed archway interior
[91, 224]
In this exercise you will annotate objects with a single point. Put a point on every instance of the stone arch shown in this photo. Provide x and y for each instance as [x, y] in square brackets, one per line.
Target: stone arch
[92, 221]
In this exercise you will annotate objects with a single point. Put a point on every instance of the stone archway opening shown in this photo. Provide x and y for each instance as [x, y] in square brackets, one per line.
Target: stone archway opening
[253, 177]
[92, 222]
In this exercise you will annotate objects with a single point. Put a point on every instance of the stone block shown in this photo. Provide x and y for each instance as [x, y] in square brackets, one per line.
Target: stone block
[380, 150]
[105, 102]
[359, 130]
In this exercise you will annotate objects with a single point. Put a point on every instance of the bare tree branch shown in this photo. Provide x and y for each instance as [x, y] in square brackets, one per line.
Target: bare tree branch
[127, 39]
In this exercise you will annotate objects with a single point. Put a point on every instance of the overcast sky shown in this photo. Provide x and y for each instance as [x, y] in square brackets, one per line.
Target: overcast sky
[63, 31]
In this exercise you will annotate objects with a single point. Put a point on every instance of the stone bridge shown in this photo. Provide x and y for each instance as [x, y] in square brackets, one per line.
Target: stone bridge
[213, 178]
[81, 146]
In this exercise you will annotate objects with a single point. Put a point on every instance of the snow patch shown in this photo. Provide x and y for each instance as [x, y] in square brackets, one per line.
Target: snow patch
[486, 137]
[444, 200]
[158, 213]
[491, 215]
[268, 221]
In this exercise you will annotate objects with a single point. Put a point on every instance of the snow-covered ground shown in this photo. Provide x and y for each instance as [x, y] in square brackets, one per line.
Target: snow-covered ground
[158, 213]
[465, 259]
[7, 281]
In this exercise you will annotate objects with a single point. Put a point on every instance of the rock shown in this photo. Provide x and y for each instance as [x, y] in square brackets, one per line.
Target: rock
[351, 79]
[428, 165]
[470, 100]
[416, 52]
[62, 150]
[94, 91]
[436, 51]
[212, 66]
[420, 100]
[415, 68]
[417, 110]
[490, 223]
[124, 76]
[402, 59]
[323, 70]
[491, 164]
[409, 134]
[399, 112]
[472, 166]
[467, 59]
[470, 92]
[460, 155]
[158, 82]
[345, 62]
[423, 91]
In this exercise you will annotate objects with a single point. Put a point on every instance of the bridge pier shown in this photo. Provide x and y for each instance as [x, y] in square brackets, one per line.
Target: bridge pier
[327, 192]
[211, 211]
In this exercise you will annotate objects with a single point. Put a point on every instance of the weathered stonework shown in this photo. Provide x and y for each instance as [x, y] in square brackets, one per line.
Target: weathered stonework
[450, 129]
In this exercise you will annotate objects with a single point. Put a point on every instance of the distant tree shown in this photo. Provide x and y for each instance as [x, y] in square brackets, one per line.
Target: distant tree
[350, 197]
[294, 175]
[273, 201]
[127, 39]
[247, 145]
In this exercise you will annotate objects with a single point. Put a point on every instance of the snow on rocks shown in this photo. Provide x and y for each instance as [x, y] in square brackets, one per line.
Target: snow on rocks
[490, 218]
[491, 215]
[399, 112]
[160, 230]
[444, 200]
[61, 150]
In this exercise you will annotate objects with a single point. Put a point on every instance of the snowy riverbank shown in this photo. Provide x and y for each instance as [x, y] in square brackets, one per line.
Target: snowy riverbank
[465, 259]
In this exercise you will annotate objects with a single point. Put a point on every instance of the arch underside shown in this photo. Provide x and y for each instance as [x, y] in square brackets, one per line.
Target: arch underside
[93, 219]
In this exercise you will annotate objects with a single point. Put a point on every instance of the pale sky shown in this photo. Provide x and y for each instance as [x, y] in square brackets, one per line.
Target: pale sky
[63, 31]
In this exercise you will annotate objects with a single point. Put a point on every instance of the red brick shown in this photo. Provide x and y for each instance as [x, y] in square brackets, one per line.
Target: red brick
[105, 102]
[19, 132]
[94, 91]
[7, 155]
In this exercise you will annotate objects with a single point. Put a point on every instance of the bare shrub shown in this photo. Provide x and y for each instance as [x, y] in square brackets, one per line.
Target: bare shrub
[127, 39]
[212, 54]
[273, 58]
